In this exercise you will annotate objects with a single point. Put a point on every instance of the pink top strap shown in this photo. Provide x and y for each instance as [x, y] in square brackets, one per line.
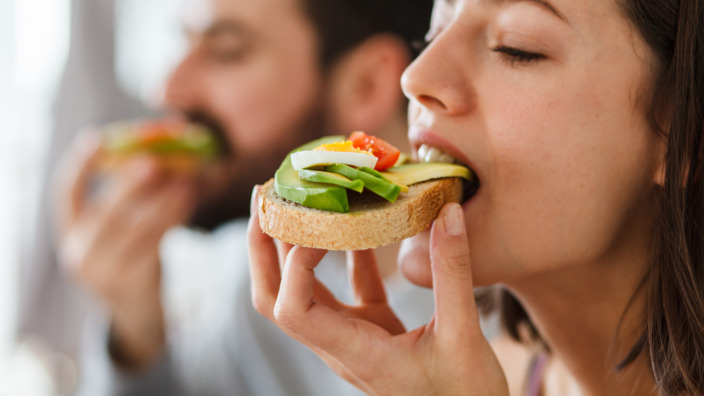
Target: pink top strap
[535, 374]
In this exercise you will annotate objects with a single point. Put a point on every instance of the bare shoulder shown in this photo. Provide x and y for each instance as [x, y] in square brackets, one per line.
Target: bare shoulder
[515, 359]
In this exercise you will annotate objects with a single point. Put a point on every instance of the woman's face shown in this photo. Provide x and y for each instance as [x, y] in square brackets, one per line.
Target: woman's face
[546, 101]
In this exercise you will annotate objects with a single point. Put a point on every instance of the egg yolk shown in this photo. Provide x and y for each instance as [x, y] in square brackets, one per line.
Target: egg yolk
[344, 147]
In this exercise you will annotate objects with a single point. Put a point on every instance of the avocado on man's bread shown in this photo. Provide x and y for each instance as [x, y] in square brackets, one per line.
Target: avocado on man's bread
[324, 207]
[180, 146]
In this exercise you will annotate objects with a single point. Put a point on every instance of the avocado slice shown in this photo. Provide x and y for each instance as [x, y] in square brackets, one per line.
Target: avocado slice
[313, 195]
[331, 178]
[377, 185]
[415, 173]
[373, 173]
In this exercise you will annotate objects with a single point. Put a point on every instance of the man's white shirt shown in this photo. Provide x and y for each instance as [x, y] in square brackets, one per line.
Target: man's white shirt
[217, 343]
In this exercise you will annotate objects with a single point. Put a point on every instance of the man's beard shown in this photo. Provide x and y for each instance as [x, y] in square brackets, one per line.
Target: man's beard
[234, 199]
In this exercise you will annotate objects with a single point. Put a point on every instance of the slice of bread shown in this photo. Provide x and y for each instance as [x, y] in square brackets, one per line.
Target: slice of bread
[370, 223]
[182, 164]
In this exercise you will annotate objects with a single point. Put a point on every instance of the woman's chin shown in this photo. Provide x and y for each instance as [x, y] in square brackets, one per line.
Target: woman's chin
[414, 259]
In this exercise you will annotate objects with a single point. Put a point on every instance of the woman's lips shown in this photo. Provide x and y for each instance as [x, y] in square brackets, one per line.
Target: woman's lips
[428, 153]
[425, 137]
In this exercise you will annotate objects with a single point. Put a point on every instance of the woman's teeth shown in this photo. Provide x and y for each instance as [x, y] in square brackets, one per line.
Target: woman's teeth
[428, 153]
[433, 154]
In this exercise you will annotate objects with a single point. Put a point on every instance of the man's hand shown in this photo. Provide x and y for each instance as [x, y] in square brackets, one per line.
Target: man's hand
[109, 241]
[366, 344]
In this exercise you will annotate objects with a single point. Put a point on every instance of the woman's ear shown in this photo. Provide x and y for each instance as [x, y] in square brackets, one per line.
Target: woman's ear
[660, 161]
[364, 85]
[663, 115]
[659, 175]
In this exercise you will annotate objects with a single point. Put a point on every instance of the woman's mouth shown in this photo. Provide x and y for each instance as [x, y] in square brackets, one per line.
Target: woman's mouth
[428, 153]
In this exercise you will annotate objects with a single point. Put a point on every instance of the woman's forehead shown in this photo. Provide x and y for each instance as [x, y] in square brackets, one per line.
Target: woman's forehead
[565, 10]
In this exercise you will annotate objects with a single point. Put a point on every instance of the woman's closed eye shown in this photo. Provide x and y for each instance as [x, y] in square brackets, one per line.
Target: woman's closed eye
[514, 56]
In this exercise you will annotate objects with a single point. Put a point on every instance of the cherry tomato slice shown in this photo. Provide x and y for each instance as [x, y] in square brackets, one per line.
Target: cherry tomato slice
[158, 131]
[386, 153]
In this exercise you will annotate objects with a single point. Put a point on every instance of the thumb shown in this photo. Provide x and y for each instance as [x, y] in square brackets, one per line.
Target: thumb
[455, 308]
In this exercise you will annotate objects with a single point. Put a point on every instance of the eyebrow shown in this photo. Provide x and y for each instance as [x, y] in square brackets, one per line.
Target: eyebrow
[219, 28]
[543, 3]
[547, 5]
[225, 27]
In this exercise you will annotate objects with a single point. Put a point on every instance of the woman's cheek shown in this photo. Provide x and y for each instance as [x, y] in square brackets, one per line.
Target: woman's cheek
[414, 259]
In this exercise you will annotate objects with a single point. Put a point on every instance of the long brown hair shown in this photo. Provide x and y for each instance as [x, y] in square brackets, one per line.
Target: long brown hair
[673, 337]
[675, 310]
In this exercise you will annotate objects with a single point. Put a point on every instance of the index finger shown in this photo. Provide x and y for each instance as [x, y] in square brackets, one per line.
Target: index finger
[331, 333]
[297, 308]
[76, 167]
[367, 285]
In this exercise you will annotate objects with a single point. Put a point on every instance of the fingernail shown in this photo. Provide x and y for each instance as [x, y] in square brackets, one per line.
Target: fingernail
[254, 200]
[453, 219]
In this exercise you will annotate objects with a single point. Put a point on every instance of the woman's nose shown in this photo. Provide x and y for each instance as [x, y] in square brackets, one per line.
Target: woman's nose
[437, 79]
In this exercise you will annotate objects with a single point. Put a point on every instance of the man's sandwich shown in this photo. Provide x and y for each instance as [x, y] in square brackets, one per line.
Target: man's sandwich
[355, 194]
[179, 145]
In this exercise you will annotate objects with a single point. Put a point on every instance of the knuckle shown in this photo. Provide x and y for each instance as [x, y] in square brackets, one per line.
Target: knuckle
[262, 305]
[285, 317]
[455, 264]
[73, 259]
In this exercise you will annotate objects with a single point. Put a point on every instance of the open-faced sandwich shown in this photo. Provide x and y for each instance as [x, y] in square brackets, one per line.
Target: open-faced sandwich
[357, 193]
[180, 146]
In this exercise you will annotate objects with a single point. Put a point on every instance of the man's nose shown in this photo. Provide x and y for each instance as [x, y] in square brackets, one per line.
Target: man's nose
[180, 90]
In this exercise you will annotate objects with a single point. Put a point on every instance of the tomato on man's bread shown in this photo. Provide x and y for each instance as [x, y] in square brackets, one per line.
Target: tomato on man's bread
[332, 194]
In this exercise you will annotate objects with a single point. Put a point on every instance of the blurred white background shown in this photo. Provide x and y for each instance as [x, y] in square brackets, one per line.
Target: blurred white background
[35, 39]
[33, 49]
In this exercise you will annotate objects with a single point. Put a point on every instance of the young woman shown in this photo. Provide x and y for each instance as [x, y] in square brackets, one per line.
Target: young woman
[583, 120]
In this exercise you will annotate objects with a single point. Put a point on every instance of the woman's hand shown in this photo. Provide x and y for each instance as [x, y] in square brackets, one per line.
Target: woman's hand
[367, 344]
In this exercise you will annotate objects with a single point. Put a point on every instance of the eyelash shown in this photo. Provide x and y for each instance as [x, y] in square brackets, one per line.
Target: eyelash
[515, 56]
[511, 55]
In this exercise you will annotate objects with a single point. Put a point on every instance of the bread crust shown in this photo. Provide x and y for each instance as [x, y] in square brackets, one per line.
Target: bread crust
[182, 164]
[370, 223]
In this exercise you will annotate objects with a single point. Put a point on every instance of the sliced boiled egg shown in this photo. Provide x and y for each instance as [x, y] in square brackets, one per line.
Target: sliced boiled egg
[333, 153]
